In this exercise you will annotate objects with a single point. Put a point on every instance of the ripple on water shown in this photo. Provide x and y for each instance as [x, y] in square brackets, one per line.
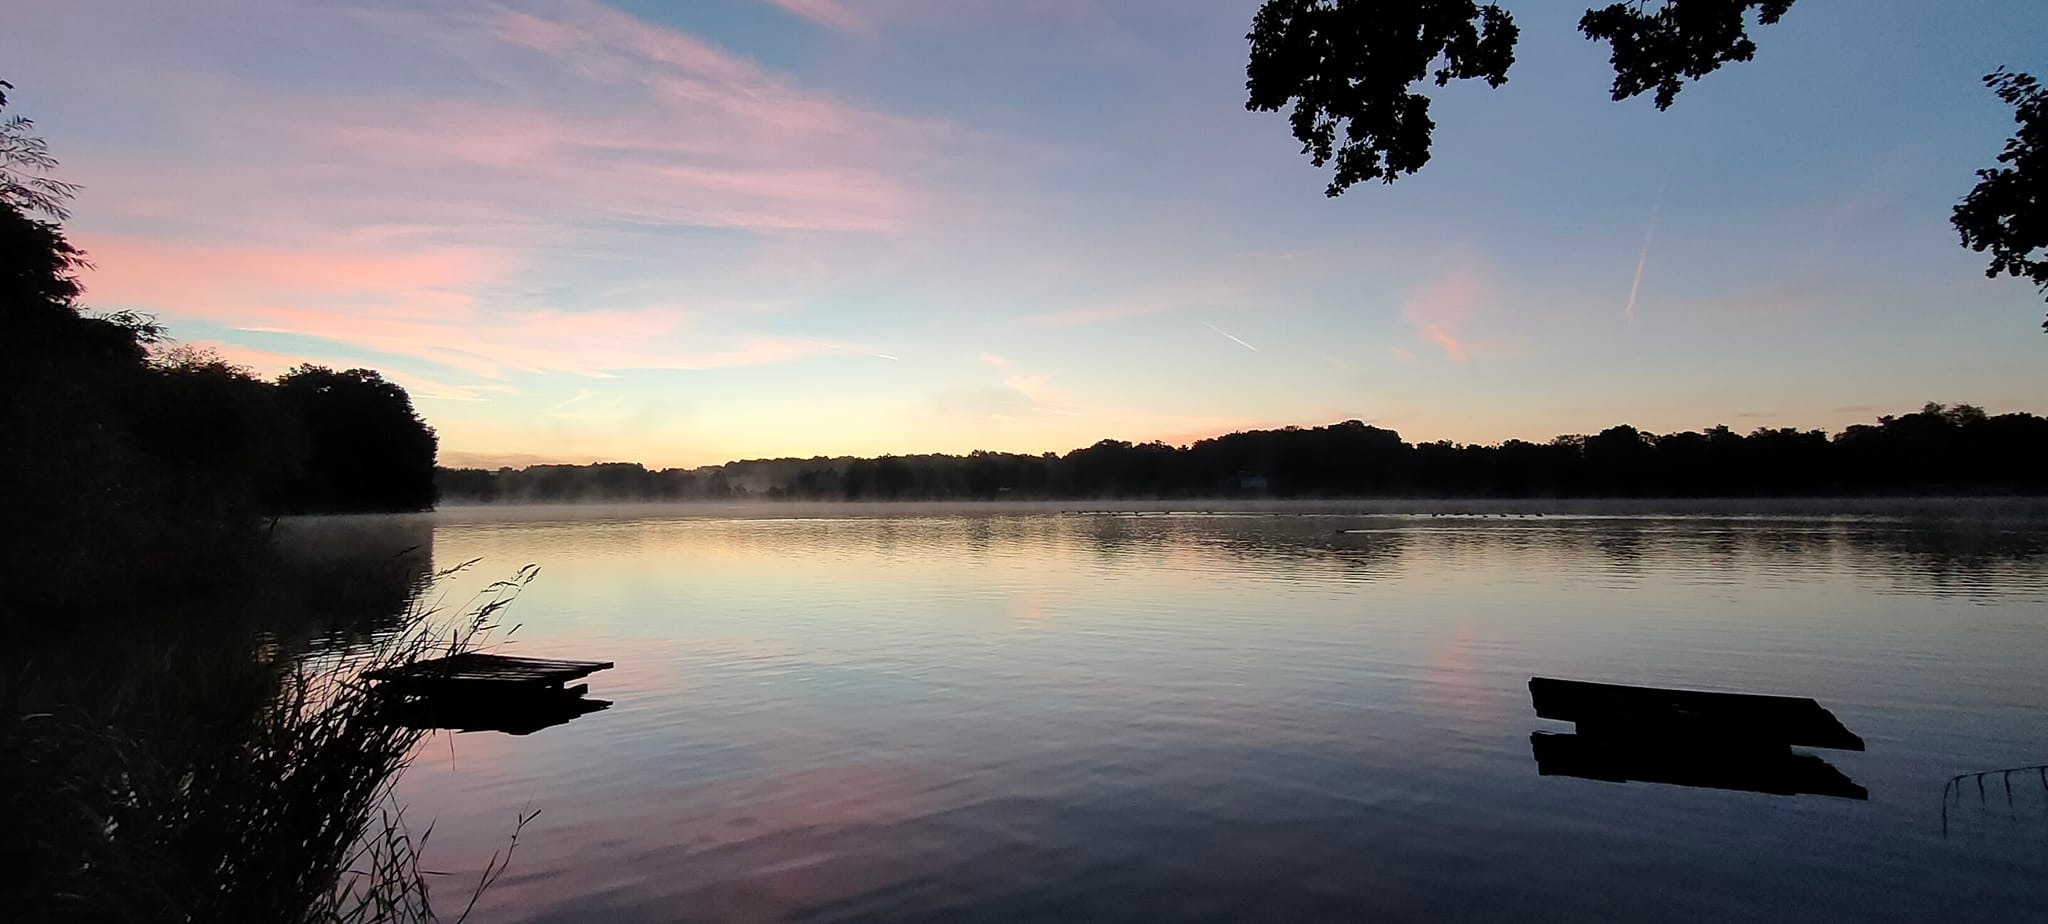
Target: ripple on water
[1219, 717]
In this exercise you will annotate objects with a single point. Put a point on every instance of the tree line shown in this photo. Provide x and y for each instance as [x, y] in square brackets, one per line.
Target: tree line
[126, 462]
[1936, 450]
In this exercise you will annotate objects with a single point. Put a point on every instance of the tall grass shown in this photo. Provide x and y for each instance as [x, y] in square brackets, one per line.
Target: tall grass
[254, 785]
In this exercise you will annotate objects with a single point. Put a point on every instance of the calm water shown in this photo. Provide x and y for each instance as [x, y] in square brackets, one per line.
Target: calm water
[1041, 716]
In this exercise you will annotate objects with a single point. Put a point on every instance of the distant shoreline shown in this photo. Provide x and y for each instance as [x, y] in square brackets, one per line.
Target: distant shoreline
[1973, 507]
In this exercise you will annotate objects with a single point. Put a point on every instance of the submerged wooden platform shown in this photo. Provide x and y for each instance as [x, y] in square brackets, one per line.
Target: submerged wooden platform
[1616, 711]
[480, 673]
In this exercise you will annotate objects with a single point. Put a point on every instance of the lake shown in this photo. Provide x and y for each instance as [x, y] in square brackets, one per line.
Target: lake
[1040, 713]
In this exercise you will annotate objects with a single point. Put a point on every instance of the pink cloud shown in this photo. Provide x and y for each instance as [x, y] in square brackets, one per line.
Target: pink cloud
[271, 363]
[994, 360]
[831, 14]
[423, 305]
[550, 147]
[132, 269]
[538, 119]
[1440, 310]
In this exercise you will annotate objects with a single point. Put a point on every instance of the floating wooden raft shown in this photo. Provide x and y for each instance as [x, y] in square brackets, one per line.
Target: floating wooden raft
[1614, 711]
[476, 673]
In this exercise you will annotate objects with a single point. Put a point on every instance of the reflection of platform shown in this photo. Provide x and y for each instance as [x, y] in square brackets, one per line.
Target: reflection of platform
[518, 715]
[1783, 772]
[473, 691]
[1690, 738]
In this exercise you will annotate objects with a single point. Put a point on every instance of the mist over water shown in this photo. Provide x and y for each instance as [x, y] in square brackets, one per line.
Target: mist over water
[1276, 711]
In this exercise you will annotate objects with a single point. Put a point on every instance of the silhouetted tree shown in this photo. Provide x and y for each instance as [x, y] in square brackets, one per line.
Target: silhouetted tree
[68, 467]
[123, 472]
[1349, 64]
[2007, 212]
[1677, 41]
[220, 441]
[25, 163]
[40, 275]
[366, 449]
[1352, 65]
[1939, 450]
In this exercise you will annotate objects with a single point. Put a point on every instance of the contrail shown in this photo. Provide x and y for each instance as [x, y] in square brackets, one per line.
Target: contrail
[1233, 337]
[1643, 259]
[580, 396]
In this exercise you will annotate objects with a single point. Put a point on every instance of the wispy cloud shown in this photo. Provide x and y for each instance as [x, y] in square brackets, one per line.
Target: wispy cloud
[415, 221]
[1232, 337]
[535, 114]
[1099, 312]
[1037, 387]
[994, 360]
[580, 396]
[831, 14]
[271, 363]
[1440, 310]
[420, 306]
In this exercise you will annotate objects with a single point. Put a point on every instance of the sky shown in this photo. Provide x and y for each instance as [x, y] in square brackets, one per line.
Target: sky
[683, 233]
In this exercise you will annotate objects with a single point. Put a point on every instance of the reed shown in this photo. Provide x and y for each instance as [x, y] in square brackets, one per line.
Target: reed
[255, 787]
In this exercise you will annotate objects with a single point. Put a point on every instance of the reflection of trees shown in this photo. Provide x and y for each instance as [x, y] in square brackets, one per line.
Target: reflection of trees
[1360, 548]
[1934, 556]
[346, 580]
[1954, 558]
[213, 761]
[1623, 546]
[1931, 556]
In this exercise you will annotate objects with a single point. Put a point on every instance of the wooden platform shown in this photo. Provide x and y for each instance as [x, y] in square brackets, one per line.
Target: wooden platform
[483, 674]
[1615, 711]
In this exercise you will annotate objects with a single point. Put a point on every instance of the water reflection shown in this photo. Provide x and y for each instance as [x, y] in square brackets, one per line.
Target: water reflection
[522, 716]
[1036, 716]
[1784, 773]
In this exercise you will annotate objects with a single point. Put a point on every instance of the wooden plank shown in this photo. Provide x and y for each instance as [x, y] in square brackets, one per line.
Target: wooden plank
[477, 667]
[461, 686]
[1616, 710]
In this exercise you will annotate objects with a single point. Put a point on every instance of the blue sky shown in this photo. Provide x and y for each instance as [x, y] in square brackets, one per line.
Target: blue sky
[681, 233]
